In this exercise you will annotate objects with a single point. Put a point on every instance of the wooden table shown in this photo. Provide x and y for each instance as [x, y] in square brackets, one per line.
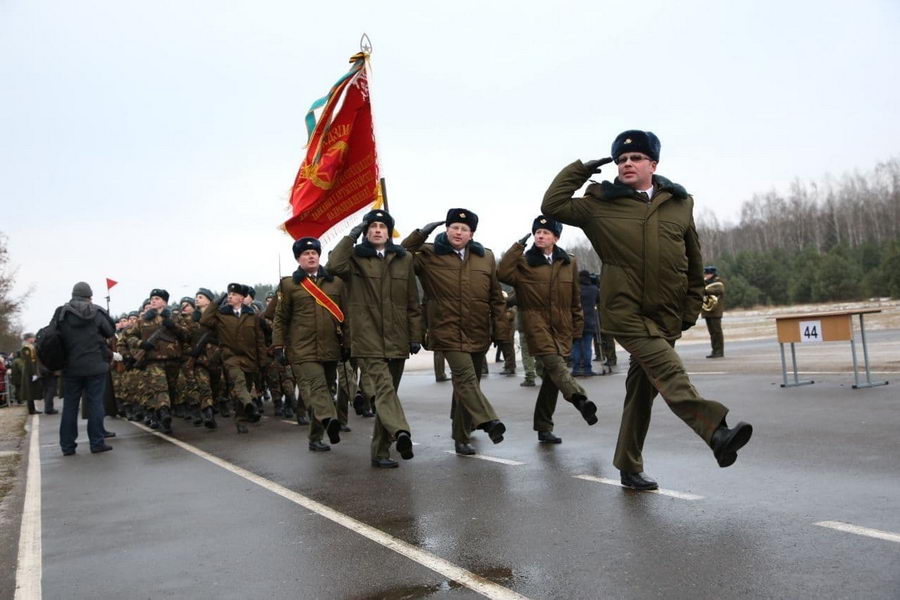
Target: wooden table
[814, 328]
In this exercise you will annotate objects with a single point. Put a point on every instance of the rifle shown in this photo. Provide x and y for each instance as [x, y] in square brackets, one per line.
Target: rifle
[140, 356]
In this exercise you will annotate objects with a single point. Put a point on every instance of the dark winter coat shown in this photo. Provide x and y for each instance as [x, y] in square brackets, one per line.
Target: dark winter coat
[85, 329]
[589, 293]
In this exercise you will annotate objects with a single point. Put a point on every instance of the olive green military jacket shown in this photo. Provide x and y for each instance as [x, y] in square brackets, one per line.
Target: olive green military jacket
[382, 298]
[240, 337]
[464, 302]
[308, 331]
[548, 297]
[715, 287]
[167, 344]
[652, 277]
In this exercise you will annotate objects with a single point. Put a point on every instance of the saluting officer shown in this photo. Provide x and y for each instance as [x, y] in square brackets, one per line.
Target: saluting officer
[651, 288]
[464, 306]
[307, 333]
[549, 298]
[385, 323]
[243, 348]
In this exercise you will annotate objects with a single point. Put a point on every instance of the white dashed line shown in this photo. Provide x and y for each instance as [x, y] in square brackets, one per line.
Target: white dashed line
[474, 582]
[850, 528]
[502, 461]
[661, 492]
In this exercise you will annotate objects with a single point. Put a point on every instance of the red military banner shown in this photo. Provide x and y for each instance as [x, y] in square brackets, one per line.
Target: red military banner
[110, 283]
[339, 175]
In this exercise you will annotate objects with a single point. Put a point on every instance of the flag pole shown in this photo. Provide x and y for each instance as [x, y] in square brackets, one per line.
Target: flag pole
[365, 46]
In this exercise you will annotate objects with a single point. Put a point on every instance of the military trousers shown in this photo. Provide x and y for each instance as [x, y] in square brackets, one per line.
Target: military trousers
[555, 379]
[440, 366]
[527, 359]
[316, 382]
[281, 384]
[656, 368]
[194, 386]
[716, 337]
[346, 388]
[383, 375]
[239, 383]
[161, 381]
[608, 347]
[508, 350]
[469, 406]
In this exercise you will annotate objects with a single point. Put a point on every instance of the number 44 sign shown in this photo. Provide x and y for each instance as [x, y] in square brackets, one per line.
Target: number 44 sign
[810, 331]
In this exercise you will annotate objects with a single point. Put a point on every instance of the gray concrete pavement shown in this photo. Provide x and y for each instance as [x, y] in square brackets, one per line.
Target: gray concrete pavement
[151, 520]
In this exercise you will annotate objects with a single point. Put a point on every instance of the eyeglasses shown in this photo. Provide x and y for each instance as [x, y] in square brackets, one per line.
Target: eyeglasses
[635, 158]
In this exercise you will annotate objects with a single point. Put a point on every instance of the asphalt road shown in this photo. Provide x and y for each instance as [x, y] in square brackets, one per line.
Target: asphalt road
[153, 519]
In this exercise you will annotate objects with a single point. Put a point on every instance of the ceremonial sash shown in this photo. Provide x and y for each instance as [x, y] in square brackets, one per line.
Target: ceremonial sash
[322, 299]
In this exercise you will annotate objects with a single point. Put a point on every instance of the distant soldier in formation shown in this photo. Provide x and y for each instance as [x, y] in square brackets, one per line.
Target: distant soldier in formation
[243, 349]
[549, 299]
[642, 227]
[465, 308]
[712, 310]
[156, 341]
[385, 323]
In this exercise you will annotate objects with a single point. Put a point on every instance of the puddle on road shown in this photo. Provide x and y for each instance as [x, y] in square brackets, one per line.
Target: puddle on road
[498, 575]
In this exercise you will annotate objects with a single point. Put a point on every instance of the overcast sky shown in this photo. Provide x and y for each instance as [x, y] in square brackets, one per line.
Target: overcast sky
[156, 143]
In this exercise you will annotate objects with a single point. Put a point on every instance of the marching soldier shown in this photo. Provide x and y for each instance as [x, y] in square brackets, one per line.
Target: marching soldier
[197, 392]
[549, 299]
[203, 298]
[385, 323]
[712, 309]
[307, 334]
[464, 306]
[155, 341]
[243, 349]
[279, 379]
[642, 227]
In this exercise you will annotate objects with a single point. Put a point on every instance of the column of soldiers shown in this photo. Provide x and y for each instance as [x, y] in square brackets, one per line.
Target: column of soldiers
[362, 311]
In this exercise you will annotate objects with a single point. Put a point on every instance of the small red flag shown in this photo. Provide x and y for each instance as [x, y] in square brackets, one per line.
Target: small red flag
[110, 283]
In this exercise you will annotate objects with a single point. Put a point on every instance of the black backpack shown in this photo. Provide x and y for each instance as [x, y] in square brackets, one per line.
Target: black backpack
[48, 343]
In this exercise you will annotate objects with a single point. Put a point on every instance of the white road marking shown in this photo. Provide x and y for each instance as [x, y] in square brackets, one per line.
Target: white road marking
[474, 582]
[502, 461]
[28, 572]
[661, 492]
[850, 528]
[693, 373]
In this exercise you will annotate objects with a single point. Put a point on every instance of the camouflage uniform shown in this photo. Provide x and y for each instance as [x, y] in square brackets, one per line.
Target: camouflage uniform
[162, 361]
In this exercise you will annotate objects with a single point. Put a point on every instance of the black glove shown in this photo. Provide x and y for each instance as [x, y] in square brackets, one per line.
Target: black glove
[594, 165]
[345, 353]
[168, 323]
[426, 231]
[354, 233]
[129, 362]
[195, 316]
[686, 325]
[146, 346]
[150, 314]
[280, 356]
[524, 239]
[415, 347]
